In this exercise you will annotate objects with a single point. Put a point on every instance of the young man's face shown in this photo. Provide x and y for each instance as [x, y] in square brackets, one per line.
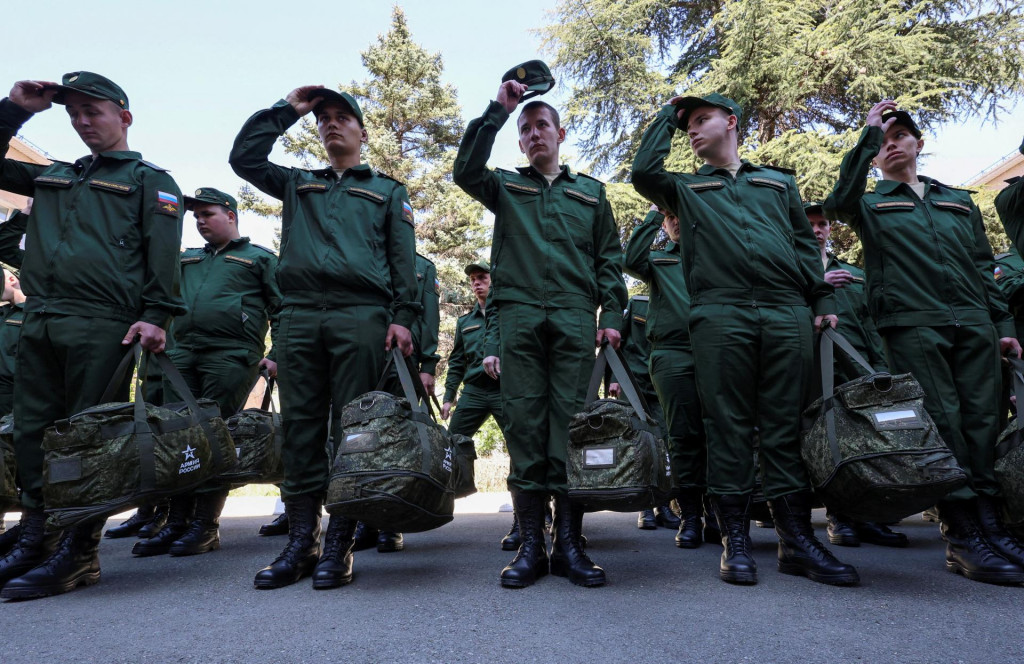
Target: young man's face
[539, 138]
[899, 149]
[708, 128]
[11, 284]
[480, 282]
[671, 227]
[101, 124]
[339, 128]
[821, 227]
[215, 223]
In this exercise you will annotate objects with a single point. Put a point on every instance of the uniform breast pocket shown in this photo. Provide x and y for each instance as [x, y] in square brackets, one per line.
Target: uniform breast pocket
[898, 223]
[957, 217]
[522, 194]
[771, 193]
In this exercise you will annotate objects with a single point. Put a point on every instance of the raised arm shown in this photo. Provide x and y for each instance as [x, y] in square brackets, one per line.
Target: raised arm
[636, 259]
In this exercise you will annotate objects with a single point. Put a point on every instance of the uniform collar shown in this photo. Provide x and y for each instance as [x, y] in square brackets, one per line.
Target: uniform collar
[117, 155]
[237, 242]
[708, 169]
[672, 247]
[832, 259]
[567, 172]
[886, 187]
[360, 171]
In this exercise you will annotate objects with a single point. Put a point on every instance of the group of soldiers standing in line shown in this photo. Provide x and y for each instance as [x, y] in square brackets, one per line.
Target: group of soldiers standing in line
[736, 298]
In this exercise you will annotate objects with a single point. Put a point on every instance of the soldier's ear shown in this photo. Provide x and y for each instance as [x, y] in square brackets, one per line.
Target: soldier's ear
[561, 134]
[126, 118]
[363, 136]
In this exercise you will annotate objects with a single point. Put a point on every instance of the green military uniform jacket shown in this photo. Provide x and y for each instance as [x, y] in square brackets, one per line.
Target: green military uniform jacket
[11, 318]
[465, 364]
[668, 318]
[1009, 275]
[928, 261]
[11, 232]
[746, 240]
[855, 322]
[232, 297]
[104, 234]
[1010, 206]
[635, 349]
[345, 240]
[554, 245]
[427, 327]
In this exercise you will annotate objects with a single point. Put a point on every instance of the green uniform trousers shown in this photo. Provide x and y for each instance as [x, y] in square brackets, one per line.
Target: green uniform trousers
[224, 375]
[754, 367]
[64, 364]
[475, 405]
[547, 356]
[326, 357]
[674, 374]
[959, 370]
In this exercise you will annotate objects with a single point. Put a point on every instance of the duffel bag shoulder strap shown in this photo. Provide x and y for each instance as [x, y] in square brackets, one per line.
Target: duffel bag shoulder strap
[596, 378]
[627, 383]
[830, 338]
[414, 391]
[1017, 371]
[141, 430]
[196, 414]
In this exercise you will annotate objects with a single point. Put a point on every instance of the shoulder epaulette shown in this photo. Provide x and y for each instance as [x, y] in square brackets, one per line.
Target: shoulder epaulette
[505, 170]
[1000, 257]
[266, 249]
[641, 298]
[388, 177]
[153, 166]
[781, 169]
[199, 250]
[425, 258]
[590, 177]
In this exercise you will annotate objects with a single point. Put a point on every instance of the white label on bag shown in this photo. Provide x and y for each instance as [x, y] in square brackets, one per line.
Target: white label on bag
[894, 415]
[599, 456]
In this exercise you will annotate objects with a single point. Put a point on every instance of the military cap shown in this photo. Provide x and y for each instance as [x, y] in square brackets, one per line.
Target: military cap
[478, 266]
[333, 96]
[689, 104]
[211, 195]
[813, 206]
[903, 119]
[534, 74]
[90, 84]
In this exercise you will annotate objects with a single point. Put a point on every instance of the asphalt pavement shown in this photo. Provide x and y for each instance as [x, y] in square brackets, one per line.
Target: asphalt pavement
[439, 601]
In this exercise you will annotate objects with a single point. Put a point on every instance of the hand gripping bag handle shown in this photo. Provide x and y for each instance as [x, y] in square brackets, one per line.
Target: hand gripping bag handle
[268, 394]
[607, 357]
[1017, 371]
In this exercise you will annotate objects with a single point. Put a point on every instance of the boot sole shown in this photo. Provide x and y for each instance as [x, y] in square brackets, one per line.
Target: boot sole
[795, 569]
[327, 584]
[689, 544]
[509, 547]
[150, 553]
[558, 570]
[87, 579]
[738, 578]
[391, 549]
[271, 585]
[843, 540]
[645, 527]
[113, 534]
[997, 578]
[178, 553]
[538, 574]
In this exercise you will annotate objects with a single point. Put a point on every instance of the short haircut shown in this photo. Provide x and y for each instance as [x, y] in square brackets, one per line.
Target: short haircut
[541, 104]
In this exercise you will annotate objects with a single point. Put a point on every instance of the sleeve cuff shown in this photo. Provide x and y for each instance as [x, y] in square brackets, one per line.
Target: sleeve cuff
[610, 320]
[1006, 329]
[429, 367]
[491, 349]
[824, 306]
[12, 116]
[405, 318]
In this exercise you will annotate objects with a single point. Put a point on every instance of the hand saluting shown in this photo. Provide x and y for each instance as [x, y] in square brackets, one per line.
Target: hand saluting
[300, 100]
[878, 110]
[33, 96]
[510, 94]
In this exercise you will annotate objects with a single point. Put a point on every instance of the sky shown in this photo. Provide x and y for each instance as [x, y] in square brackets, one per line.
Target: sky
[194, 71]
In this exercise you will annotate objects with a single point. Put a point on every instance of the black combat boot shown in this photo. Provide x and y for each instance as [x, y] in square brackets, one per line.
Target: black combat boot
[880, 534]
[531, 562]
[800, 552]
[389, 542]
[365, 537]
[712, 535]
[302, 552]
[278, 526]
[203, 534]
[8, 539]
[76, 562]
[968, 551]
[990, 518]
[133, 525]
[737, 565]
[666, 517]
[157, 523]
[840, 530]
[689, 536]
[334, 569]
[179, 514]
[34, 545]
[568, 558]
[646, 519]
[512, 541]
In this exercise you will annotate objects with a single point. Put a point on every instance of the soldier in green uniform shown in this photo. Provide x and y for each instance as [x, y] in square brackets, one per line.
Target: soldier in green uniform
[936, 304]
[230, 289]
[635, 350]
[348, 282]
[757, 294]
[481, 394]
[856, 326]
[671, 365]
[100, 270]
[1009, 275]
[12, 316]
[555, 260]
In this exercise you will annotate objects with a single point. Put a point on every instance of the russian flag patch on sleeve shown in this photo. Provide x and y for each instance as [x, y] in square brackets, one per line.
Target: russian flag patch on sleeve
[167, 203]
[407, 212]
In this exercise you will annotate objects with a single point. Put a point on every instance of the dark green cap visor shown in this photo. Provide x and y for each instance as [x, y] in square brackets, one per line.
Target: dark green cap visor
[689, 104]
[211, 195]
[535, 75]
[90, 84]
[333, 96]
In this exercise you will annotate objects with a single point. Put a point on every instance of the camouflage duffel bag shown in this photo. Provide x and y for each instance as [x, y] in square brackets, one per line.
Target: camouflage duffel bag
[259, 438]
[117, 455]
[393, 467]
[871, 450]
[1009, 465]
[464, 482]
[616, 458]
[8, 486]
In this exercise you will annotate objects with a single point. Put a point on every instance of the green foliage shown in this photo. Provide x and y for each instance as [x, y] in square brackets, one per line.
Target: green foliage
[489, 439]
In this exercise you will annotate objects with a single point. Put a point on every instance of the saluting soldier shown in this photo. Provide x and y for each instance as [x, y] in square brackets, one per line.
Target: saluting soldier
[757, 294]
[938, 309]
[672, 368]
[555, 260]
[481, 395]
[100, 269]
[856, 326]
[348, 282]
[230, 289]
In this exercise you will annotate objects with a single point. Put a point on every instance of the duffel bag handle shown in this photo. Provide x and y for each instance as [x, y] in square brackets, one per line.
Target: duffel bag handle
[412, 386]
[1017, 371]
[607, 357]
[268, 394]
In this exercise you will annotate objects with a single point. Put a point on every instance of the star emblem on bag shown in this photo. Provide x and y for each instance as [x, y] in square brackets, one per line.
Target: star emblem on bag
[189, 452]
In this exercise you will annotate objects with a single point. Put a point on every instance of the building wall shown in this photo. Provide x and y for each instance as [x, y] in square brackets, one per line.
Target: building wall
[994, 177]
[19, 151]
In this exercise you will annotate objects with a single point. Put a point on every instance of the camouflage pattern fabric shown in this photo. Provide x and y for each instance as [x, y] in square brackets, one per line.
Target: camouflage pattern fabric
[394, 466]
[1009, 466]
[259, 438]
[464, 482]
[8, 488]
